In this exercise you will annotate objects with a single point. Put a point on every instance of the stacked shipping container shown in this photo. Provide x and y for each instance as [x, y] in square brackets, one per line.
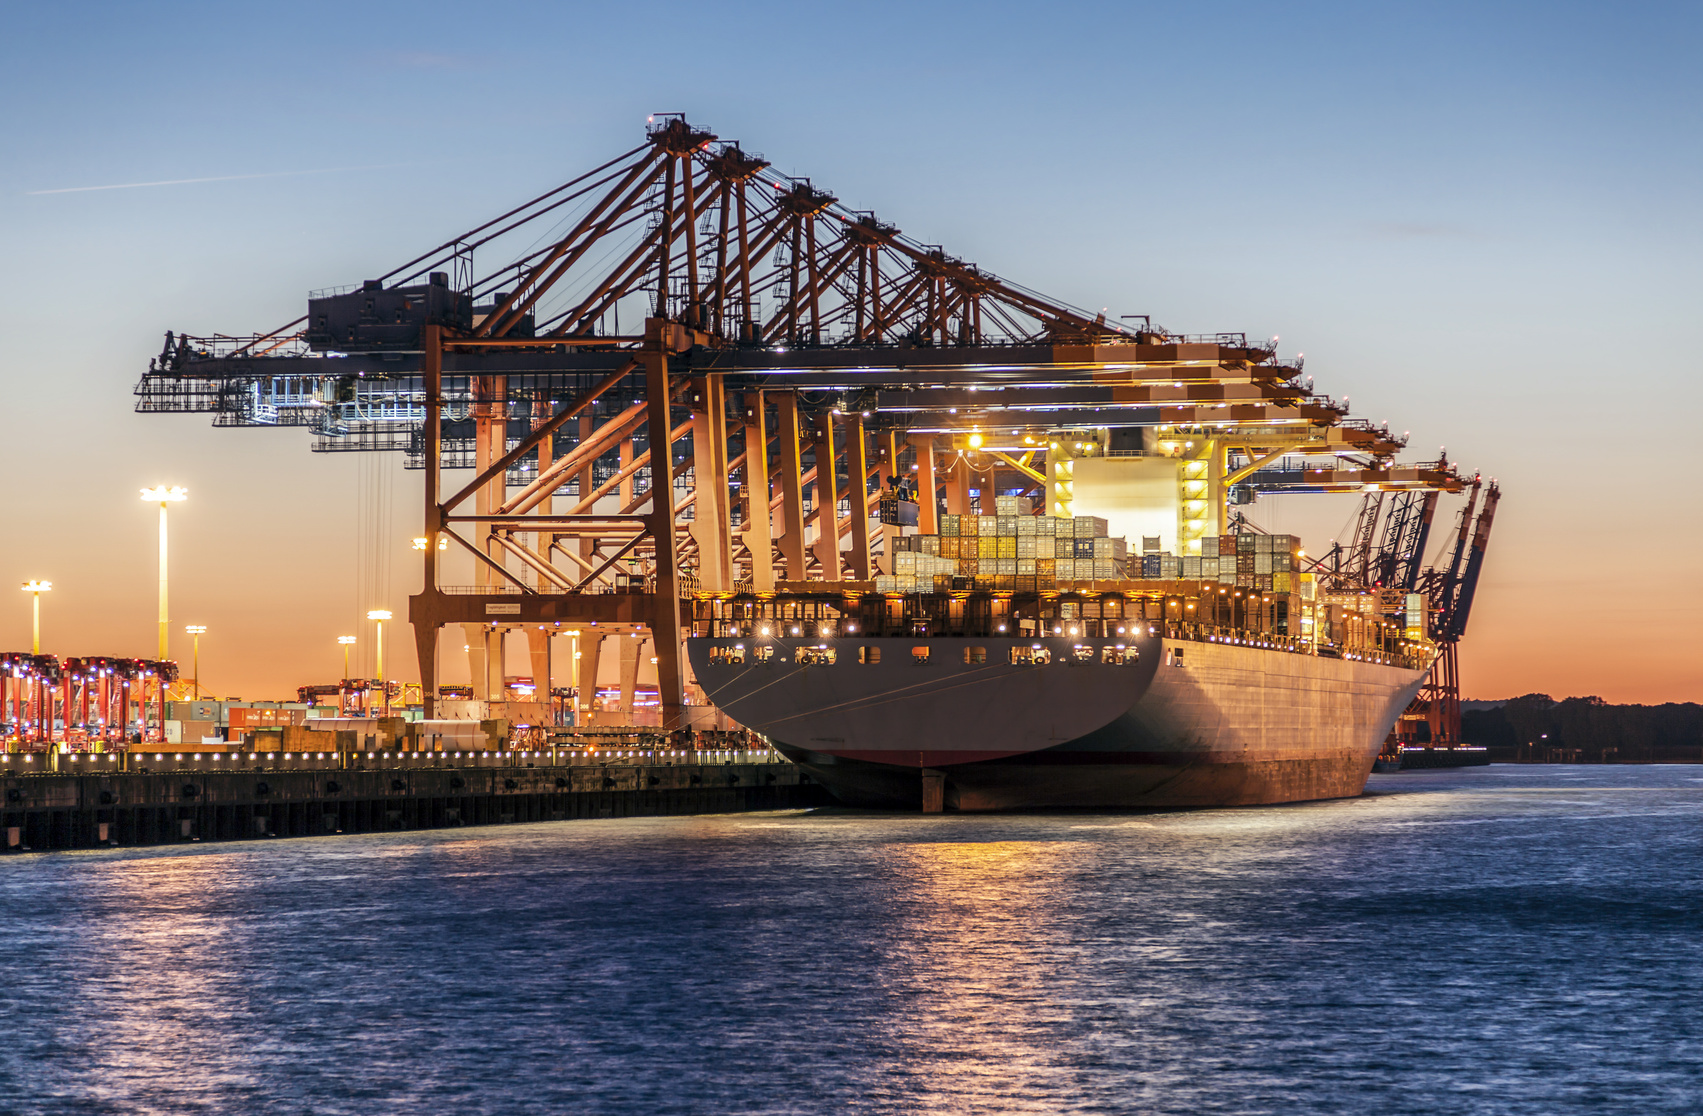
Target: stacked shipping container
[1266, 563]
[1011, 549]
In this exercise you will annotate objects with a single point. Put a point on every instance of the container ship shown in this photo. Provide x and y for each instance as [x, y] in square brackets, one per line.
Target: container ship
[943, 538]
[1190, 681]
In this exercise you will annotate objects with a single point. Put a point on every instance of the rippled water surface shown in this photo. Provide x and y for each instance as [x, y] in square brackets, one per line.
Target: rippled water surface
[1514, 939]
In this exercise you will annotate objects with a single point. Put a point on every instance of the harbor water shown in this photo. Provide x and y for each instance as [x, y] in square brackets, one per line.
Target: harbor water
[1511, 939]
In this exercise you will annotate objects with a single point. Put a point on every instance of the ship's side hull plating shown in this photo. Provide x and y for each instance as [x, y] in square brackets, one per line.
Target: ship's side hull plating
[1213, 725]
[927, 703]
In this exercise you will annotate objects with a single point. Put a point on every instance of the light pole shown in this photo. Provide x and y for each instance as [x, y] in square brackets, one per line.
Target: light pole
[36, 589]
[343, 683]
[379, 616]
[197, 631]
[163, 496]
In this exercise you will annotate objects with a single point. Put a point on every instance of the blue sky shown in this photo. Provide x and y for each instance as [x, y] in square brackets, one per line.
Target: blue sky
[1477, 221]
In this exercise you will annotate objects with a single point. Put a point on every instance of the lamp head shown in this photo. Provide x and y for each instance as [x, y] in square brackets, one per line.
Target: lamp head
[345, 640]
[195, 629]
[162, 495]
[33, 586]
[379, 614]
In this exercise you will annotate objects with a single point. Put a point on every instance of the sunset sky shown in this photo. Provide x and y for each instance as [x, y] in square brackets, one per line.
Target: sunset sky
[1478, 221]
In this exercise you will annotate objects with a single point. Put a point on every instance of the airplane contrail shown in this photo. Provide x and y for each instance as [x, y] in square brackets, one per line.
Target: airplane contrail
[214, 178]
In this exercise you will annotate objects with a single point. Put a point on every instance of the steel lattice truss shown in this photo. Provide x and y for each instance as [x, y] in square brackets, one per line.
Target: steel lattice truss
[686, 295]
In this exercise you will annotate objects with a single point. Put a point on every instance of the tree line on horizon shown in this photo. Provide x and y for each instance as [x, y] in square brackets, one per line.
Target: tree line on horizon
[1588, 729]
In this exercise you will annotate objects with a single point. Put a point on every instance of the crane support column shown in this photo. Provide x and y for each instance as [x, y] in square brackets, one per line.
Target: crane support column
[712, 522]
[827, 509]
[792, 485]
[857, 479]
[958, 488]
[665, 618]
[928, 499]
[758, 533]
[426, 626]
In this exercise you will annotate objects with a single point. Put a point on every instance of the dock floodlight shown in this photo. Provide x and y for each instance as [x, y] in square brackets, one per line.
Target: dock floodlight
[163, 495]
[36, 589]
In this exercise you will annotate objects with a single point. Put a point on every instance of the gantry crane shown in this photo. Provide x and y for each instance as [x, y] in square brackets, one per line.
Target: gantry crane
[687, 371]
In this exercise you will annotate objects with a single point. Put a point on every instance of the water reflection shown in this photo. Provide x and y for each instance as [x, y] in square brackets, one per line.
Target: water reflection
[1497, 941]
[971, 1015]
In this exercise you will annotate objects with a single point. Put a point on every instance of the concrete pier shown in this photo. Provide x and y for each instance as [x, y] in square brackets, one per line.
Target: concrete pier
[290, 798]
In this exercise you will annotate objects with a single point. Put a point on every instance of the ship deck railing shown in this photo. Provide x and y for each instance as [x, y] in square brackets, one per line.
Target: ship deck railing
[1417, 658]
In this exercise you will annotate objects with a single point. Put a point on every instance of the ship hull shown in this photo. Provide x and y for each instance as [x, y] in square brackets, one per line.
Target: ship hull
[1207, 724]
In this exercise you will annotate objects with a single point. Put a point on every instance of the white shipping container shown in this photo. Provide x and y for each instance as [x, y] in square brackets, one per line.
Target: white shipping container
[1090, 527]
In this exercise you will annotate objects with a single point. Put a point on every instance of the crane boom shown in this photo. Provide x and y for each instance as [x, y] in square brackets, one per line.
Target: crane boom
[1474, 564]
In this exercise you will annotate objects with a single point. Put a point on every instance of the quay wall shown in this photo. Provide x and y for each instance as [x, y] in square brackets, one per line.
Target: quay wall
[99, 809]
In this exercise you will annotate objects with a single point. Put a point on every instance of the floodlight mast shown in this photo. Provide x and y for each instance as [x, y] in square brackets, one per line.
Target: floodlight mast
[164, 496]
